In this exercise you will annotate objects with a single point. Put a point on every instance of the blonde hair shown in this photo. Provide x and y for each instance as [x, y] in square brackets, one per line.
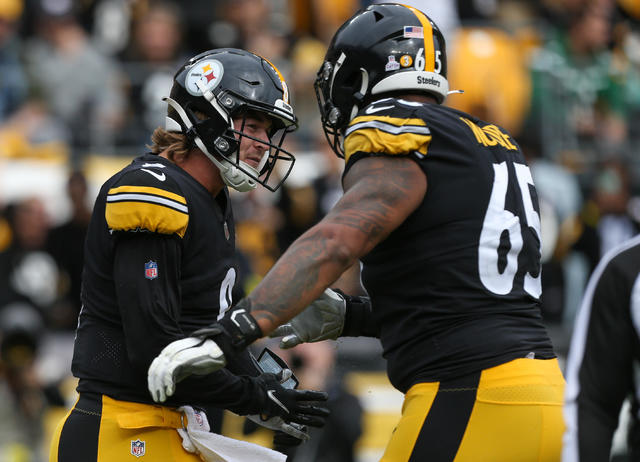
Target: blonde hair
[177, 144]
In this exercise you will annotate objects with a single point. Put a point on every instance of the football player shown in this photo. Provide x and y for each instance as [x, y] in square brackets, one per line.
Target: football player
[441, 210]
[159, 264]
[603, 358]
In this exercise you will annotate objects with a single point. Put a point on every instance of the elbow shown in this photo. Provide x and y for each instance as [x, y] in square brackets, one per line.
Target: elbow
[342, 248]
[344, 255]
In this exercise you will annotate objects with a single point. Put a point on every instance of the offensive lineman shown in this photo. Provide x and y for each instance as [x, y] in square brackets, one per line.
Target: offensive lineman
[441, 209]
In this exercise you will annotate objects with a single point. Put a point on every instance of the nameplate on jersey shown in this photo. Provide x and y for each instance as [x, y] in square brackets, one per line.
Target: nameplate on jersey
[490, 135]
[135, 208]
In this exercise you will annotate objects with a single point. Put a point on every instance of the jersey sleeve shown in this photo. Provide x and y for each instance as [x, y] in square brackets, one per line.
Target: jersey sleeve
[599, 367]
[386, 128]
[146, 274]
[143, 201]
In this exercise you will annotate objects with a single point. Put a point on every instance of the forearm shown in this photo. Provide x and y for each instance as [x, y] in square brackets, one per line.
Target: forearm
[380, 193]
[311, 264]
[219, 389]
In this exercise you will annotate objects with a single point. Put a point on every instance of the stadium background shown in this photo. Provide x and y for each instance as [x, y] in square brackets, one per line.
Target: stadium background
[80, 89]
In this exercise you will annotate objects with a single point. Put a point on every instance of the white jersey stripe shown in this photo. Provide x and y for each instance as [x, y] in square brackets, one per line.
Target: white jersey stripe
[389, 128]
[147, 198]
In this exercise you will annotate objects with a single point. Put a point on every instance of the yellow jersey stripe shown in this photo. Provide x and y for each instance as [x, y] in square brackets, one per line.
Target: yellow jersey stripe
[395, 124]
[131, 216]
[148, 190]
[429, 52]
[378, 141]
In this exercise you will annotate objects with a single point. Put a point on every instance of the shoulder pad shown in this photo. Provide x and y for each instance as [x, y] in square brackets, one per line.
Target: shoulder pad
[147, 199]
[387, 127]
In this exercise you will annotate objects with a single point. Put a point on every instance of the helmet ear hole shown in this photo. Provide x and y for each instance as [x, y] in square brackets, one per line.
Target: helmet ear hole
[352, 80]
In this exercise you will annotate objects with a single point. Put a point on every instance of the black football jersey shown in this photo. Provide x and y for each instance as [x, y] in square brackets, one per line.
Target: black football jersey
[159, 264]
[455, 288]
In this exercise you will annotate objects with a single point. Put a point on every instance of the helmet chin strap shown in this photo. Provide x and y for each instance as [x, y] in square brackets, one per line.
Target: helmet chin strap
[231, 175]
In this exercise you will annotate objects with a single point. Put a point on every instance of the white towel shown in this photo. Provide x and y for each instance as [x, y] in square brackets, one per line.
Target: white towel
[212, 447]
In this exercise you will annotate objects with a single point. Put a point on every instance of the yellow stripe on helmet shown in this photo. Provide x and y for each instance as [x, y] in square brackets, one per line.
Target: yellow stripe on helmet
[429, 52]
[285, 89]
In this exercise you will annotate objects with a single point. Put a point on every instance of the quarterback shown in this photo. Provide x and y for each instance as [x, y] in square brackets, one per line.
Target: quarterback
[159, 264]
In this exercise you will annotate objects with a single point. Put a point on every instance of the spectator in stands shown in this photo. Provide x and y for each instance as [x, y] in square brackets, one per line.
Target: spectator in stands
[80, 85]
[610, 195]
[66, 244]
[13, 87]
[576, 103]
[314, 188]
[23, 398]
[28, 271]
[149, 61]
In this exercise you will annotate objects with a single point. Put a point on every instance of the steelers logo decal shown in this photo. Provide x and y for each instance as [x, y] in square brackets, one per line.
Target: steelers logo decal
[208, 72]
[406, 61]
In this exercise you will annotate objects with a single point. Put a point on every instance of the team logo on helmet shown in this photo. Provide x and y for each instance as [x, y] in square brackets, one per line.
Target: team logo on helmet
[208, 71]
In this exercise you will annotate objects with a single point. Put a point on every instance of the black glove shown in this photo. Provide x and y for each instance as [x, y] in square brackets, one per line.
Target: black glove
[282, 440]
[234, 332]
[291, 404]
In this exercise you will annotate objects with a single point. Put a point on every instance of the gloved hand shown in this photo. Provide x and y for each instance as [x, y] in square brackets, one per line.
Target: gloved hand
[292, 405]
[277, 423]
[290, 432]
[180, 359]
[322, 320]
[205, 351]
[282, 440]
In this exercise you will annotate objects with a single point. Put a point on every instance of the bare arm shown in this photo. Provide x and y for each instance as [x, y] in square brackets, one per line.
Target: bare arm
[380, 193]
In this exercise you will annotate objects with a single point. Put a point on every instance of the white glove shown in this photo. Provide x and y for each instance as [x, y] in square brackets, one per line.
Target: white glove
[322, 320]
[180, 359]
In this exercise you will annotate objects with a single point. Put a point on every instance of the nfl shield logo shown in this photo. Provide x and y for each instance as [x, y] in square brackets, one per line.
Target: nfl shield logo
[151, 269]
[137, 448]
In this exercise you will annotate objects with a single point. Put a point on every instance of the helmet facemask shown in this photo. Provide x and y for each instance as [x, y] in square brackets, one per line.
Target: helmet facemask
[227, 147]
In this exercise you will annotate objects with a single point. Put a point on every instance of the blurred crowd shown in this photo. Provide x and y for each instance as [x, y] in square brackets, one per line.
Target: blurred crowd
[83, 80]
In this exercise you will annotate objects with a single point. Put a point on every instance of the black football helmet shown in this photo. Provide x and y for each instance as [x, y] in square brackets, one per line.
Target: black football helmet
[224, 84]
[386, 47]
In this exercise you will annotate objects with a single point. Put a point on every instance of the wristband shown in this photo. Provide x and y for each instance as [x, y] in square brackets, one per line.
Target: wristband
[358, 319]
[235, 331]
